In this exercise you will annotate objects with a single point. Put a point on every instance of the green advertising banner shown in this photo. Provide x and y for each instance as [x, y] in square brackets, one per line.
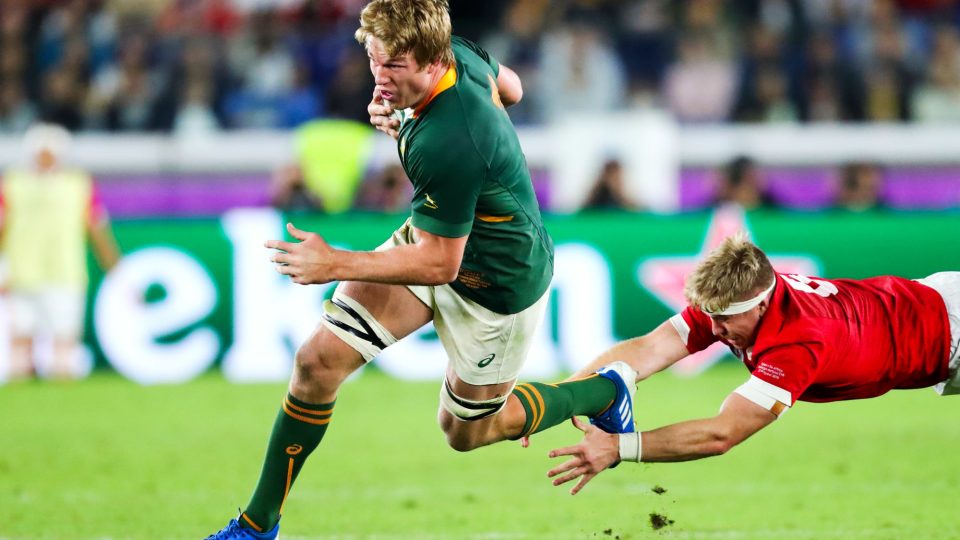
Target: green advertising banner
[195, 295]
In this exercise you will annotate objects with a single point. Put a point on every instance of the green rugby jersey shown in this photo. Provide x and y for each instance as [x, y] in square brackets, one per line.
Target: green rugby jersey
[470, 177]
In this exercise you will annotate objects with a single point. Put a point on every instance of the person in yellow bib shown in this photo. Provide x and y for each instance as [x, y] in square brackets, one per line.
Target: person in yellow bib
[47, 213]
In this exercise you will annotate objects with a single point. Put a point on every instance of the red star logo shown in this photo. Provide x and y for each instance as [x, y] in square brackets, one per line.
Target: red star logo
[664, 277]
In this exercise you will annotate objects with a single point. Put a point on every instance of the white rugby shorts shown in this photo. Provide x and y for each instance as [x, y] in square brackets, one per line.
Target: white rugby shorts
[57, 311]
[948, 285]
[485, 347]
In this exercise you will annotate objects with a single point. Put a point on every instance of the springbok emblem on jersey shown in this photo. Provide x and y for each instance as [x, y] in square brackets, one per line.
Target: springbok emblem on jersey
[494, 93]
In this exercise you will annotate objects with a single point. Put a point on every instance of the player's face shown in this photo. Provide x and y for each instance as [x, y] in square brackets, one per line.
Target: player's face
[739, 330]
[399, 79]
[45, 159]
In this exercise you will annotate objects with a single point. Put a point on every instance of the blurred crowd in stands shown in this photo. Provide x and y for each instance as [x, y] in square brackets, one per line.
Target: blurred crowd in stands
[204, 65]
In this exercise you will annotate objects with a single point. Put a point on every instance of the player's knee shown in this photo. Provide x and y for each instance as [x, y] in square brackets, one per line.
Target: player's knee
[460, 436]
[469, 423]
[317, 367]
[462, 444]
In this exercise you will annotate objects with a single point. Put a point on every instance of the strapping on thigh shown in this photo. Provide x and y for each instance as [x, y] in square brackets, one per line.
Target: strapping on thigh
[355, 326]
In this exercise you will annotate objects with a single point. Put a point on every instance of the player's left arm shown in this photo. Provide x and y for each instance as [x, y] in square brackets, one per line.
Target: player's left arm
[509, 86]
[432, 260]
[508, 82]
[738, 419]
[102, 239]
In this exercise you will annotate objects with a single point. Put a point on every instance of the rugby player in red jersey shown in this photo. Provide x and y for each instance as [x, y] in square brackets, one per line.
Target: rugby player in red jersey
[801, 338]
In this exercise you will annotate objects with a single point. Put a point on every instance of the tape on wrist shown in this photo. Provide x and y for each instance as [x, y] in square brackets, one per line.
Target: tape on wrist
[630, 447]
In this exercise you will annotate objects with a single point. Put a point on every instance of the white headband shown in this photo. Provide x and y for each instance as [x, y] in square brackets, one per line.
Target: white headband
[736, 308]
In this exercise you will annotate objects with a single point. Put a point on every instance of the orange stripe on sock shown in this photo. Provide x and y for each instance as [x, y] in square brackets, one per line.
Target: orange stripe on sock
[312, 412]
[543, 409]
[251, 523]
[607, 408]
[286, 490]
[314, 421]
[590, 376]
[533, 407]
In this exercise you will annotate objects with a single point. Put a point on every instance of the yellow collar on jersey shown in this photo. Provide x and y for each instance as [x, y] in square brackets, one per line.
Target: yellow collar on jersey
[448, 80]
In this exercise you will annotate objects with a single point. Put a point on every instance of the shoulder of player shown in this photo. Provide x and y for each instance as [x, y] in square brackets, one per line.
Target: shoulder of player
[440, 131]
[793, 334]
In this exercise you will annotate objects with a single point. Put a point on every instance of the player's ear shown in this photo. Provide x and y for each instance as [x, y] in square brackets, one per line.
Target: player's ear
[434, 67]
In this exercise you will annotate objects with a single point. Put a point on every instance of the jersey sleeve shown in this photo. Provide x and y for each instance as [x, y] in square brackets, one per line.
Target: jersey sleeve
[790, 368]
[769, 396]
[446, 186]
[479, 51]
[693, 326]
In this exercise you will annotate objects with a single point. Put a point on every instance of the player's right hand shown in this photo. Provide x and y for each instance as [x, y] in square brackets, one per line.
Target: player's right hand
[381, 116]
[597, 451]
[307, 262]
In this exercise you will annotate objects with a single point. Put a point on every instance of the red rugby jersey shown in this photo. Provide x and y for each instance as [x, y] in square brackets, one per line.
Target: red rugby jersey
[829, 340]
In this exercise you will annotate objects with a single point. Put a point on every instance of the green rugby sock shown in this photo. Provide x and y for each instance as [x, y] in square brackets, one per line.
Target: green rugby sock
[547, 405]
[298, 429]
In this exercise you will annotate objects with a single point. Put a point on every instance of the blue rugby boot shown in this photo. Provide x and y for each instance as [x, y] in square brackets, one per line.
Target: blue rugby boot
[618, 418]
[235, 531]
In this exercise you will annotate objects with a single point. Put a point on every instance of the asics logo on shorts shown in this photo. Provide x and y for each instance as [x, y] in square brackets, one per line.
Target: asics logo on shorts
[487, 360]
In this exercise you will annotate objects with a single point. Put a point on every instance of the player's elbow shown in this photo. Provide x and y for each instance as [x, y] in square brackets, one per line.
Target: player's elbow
[513, 96]
[720, 442]
[509, 87]
[442, 273]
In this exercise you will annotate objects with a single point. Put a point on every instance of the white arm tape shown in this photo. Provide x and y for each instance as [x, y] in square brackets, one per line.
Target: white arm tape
[681, 327]
[630, 447]
[770, 397]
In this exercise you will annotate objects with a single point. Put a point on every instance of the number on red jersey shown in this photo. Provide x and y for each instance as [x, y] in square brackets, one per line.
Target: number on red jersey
[818, 287]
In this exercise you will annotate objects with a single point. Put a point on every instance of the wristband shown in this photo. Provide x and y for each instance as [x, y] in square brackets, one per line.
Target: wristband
[630, 447]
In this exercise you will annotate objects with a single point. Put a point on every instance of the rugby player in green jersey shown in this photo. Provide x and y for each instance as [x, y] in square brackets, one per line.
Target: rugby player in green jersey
[473, 258]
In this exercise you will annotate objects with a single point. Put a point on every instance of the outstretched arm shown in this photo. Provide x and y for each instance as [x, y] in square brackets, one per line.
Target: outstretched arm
[739, 418]
[647, 354]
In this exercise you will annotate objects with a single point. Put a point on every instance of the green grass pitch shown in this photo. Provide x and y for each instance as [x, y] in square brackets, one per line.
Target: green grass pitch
[106, 459]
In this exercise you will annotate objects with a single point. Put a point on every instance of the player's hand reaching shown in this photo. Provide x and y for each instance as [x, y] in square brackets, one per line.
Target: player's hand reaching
[381, 116]
[308, 261]
[597, 451]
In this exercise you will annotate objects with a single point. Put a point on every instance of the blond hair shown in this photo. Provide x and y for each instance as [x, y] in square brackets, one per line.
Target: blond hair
[735, 270]
[421, 27]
